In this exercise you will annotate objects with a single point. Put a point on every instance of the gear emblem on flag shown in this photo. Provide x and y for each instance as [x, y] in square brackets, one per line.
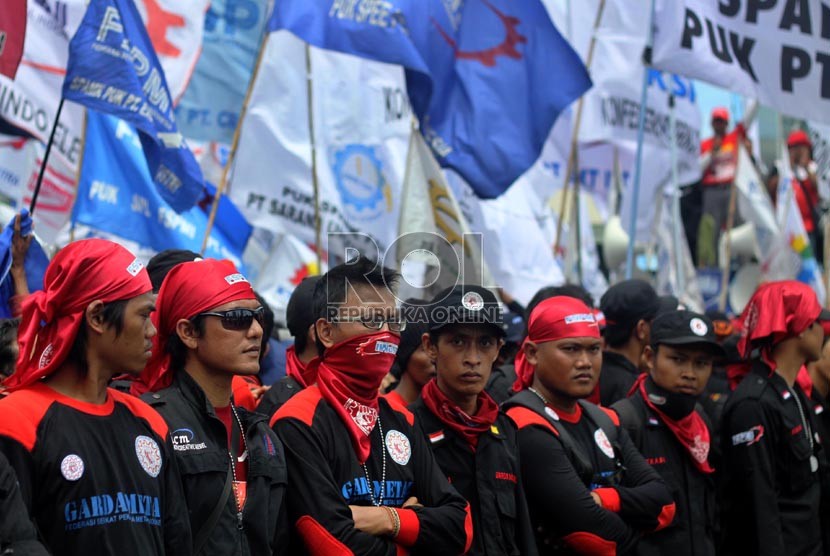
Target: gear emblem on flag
[358, 174]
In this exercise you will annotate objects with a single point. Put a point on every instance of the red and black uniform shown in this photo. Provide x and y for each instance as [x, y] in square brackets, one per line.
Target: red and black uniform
[483, 465]
[200, 441]
[617, 377]
[692, 532]
[771, 480]
[298, 376]
[326, 477]
[566, 457]
[95, 478]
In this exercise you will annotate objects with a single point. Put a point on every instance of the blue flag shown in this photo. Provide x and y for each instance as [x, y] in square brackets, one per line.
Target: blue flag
[487, 78]
[113, 69]
[117, 196]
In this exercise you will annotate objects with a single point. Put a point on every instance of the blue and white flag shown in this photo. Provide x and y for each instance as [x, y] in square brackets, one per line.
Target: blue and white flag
[116, 195]
[209, 110]
[486, 78]
[114, 69]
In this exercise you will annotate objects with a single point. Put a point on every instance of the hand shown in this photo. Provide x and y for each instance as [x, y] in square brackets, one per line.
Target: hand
[258, 391]
[20, 244]
[597, 499]
[387, 381]
[373, 520]
[412, 502]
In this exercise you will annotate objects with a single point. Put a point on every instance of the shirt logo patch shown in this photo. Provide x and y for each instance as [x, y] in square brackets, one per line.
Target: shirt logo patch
[436, 437]
[505, 476]
[749, 437]
[551, 413]
[472, 301]
[270, 449]
[698, 327]
[72, 467]
[149, 455]
[134, 268]
[363, 416]
[232, 279]
[603, 443]
[182, 440]
[46, 356]
[397, 444]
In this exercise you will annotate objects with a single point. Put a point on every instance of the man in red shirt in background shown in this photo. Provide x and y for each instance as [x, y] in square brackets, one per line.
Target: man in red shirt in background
[805, 186]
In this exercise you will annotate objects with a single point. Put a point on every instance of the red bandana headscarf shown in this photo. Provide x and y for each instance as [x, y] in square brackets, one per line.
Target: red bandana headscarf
[691, 431]
[470, 427]
[189, 289]
[777, 311]
[554, 319]
[82, 272]
[349, 376]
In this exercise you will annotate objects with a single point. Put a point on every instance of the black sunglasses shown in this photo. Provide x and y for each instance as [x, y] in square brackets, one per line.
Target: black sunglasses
[238, 319]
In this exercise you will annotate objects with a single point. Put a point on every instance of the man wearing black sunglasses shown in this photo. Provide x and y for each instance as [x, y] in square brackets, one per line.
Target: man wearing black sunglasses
[363, 480]
[232, 464]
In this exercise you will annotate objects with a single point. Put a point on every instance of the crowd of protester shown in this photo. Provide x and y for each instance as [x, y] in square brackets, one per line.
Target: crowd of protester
[142, 416]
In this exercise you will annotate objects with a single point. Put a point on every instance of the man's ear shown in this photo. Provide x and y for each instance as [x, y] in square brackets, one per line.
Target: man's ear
[649, 357]
[643, 328]
[325, 332]
[187, 333]
[429, 347]
[94, 316]
[531, 352]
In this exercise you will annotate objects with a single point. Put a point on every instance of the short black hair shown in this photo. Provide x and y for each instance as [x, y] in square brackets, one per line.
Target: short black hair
[333, 287]
[176, 348]
[267, 323]
[8, 345]
[617, 335]
[163, 262]
[112, 314]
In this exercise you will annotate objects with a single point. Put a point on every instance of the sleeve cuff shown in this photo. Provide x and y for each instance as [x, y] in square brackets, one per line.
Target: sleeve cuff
[610, 499]
[410, 527]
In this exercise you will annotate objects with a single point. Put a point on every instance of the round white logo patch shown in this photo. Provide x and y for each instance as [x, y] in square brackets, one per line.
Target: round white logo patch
[603, 443]
[698, 327]
[149, 455]
[397, 444]
[72, 467]
[472, 301]
[552, 414]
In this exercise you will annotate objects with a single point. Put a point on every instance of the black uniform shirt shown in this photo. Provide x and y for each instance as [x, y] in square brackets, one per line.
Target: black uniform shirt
[616, 378]
[489, 478]
[96, 478]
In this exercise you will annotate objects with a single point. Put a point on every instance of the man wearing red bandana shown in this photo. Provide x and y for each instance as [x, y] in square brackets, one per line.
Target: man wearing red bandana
[362, 479]
[95, 466]
[772, 490]
[588, 488]
[668, 426]
[474, 443]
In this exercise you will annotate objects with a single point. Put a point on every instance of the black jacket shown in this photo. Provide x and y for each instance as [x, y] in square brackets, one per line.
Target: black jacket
[200, 442]
[326, 478]
[500, 384]
[771, 493]
[16, 530]
[563, 463]
[692, 533]
[821, 416]
[279, 393]
[489, 478]
[616, 378]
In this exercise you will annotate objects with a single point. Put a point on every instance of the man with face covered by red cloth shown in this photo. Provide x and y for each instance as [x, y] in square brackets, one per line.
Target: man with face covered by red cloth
[232, 465]
[588, 488]
[772, 491]
[362, 479]
[95, 466]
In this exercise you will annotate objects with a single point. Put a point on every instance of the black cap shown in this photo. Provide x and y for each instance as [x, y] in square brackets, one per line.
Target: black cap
[465, 304]
[682, 328]
[514, 327]
[824, 315]
[299, 313]
[628, 301]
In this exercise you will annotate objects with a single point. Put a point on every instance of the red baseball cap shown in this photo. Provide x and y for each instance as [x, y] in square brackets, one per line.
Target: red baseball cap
[799, 137]
[720, 113]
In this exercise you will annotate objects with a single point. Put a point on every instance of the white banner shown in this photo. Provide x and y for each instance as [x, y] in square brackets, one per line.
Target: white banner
[776, 52]
[755, 206]
[362, 128]
[820, 137]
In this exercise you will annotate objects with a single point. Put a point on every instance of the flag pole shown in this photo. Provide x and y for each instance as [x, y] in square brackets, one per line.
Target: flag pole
[318, 224]
[638, 166]
[572, 157]
[77, 180]
[675, 206]
[45, 158]
[726, 265]
[237, 133]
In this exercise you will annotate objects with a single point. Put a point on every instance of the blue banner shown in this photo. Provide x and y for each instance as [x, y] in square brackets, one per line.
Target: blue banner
[209, 109]
[116, 195]
[487, 78]
[34, 263]
[113, 69]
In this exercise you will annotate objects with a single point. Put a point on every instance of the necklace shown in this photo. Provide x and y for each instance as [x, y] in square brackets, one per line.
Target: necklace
[538, 395]
[233, 467]
[379, 500]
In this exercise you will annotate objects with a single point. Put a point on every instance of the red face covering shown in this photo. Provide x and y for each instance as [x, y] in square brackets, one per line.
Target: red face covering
[81, 272]
[777, 311]
[553, 319]
[691, 431]
[349, 375]
[304, 375]
[189, 289]
[470, 427]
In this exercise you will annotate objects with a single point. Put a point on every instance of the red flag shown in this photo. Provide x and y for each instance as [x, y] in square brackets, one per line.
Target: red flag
[12, 35]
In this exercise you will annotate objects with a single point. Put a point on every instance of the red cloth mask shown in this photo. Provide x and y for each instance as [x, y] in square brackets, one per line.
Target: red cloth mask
[470, 427]
[777, 311]
[189, 289]
[555, 318]
[304, 375]
[349, 375]
[691, 431]
[82, 272]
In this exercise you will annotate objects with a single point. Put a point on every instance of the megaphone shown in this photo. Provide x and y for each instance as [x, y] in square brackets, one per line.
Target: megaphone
[743, 285]
[614, 243]
[743, 244]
